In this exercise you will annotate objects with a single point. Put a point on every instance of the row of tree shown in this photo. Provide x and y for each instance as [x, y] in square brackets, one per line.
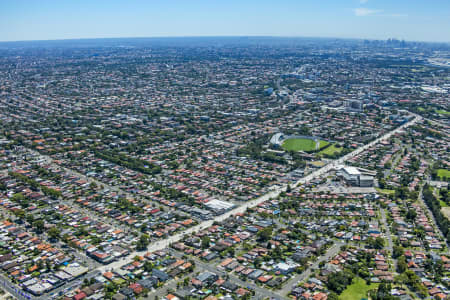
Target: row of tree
[36, 185]
[435, 207]
[128, 161]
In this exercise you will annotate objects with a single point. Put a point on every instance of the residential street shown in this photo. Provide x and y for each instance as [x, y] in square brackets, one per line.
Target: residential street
[217, 167]
[430, 214]
[158, 245]
[390, 245]
[334, 250]
[272, 194]
[261, 293]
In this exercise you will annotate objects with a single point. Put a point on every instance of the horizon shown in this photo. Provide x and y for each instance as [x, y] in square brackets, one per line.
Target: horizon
[214, 150]
[223, 36]
[349, 19]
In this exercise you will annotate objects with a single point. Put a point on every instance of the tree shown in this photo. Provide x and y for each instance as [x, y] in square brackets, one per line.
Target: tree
[265, 234]
[383, 292]
[402, 266]
[397, 251]
[411, 215]
[377, 243]
[54, 233]
[332, 296]
[205, 242]
[39, 225]
[143, 242]
[337, 282]
[18, 198]
[30, 218]
[148, 266]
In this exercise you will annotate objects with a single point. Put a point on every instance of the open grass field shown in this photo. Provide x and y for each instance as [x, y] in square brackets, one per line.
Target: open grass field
[442, 173]
[302, 144]
[299, 145]
[331, 150]
[443, 112]
[385, 191]
[357, 290]
[322, 144]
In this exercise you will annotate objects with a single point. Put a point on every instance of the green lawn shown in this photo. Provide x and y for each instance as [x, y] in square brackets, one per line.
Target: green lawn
[357, 290]
[443, 112]
[322, 144]
[331, 150]
[443, 173]
[302, 144]
[385, 191]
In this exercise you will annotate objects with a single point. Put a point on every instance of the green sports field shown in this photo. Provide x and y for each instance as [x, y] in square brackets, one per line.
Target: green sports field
[302, 144]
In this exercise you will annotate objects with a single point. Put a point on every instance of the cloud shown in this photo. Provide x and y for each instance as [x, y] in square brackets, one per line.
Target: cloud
[362, 12]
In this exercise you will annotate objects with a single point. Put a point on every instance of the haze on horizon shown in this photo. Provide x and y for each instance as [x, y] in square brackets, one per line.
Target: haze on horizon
[413, 20]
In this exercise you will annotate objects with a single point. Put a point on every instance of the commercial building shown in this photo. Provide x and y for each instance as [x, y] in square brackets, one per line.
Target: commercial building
[355, 177]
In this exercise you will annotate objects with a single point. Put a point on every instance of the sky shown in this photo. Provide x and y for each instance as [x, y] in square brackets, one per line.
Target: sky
[412, 20]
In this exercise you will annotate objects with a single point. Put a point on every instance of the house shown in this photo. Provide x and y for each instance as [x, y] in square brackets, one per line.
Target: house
[80, 296]
[275, 282]
[285, 268]
[161, 275]
[119, 296]
[136, 287]
[207, 278]
[301, 255]
[126, 291]
[148, 283]
[171, 297]
[229, 286]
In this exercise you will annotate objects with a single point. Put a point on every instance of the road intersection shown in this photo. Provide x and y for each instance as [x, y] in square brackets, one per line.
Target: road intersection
[159, 245]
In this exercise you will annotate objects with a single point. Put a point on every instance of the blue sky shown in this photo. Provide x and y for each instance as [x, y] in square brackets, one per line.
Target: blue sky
[420, 20]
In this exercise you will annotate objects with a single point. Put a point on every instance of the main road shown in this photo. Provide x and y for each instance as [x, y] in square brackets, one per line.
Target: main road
[159, 245]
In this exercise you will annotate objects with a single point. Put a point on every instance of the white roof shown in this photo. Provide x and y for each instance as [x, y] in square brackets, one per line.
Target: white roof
[218, 204]
[352, 170]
